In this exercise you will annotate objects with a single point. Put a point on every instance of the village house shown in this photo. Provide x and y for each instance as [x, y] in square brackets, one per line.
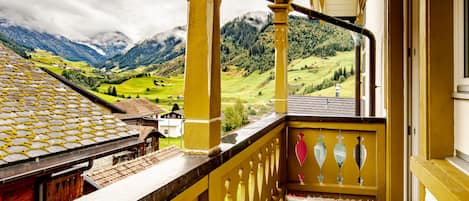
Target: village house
[49, 134]
[171, 124]
[141, 114]
[137, 113]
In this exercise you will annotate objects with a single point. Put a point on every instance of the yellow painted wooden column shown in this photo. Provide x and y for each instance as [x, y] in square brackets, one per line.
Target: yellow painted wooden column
[280, 9]
[202, 124]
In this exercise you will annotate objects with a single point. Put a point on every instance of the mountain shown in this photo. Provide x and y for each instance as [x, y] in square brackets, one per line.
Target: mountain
[109, 44]
[247, 42]
[245, 46]
[17, 48]
[56, 44]
[160, 48]
[170, 45]
[257, 19]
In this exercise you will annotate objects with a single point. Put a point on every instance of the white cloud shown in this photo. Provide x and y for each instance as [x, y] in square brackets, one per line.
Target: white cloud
[80, 19]
[139, 19]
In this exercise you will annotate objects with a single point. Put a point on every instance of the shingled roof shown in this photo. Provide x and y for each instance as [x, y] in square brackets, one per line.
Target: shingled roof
[137, 107]
[109, 175]
[321, 106]
[40, 116]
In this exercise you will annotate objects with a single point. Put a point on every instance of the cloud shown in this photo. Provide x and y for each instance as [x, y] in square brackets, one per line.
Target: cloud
[139, 19]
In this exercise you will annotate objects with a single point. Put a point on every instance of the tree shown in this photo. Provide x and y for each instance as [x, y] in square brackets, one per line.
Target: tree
[235, 117]
[341, 79]
[114, 91]
[109, 90]
[175, 107]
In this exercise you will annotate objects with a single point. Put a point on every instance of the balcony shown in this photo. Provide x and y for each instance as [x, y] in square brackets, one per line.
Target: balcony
[259, 163]
[342, 156]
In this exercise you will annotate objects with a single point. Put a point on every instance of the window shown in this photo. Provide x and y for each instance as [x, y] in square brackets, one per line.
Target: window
[166, 131]
[466, 39]
[461, 80]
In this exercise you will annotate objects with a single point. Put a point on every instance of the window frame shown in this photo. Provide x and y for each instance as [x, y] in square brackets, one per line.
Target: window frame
[461, 66]
[461, 44]
[465, 18]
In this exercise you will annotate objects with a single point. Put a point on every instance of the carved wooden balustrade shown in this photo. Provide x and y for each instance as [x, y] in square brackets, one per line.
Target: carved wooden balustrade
[253, 174]
[340, 156]
[322, 155]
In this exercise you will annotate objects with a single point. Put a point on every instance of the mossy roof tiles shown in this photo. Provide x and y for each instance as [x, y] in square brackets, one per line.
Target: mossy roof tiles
[40, 116]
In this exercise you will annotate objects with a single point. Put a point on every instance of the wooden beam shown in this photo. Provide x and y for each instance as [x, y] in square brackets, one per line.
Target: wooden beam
[395, 101]
[444, 180]
[281, 55]
[439, 76]
[202, 97]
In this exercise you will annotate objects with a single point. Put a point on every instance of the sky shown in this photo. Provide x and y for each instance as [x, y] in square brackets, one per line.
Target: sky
[138, 19]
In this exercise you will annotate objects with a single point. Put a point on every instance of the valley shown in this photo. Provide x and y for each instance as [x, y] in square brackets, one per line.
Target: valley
[114, 68]
[254, 90]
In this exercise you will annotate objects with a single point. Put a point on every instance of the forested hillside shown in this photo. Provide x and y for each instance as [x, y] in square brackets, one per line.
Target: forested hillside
[246, 42]
[247, 48]
[17, 48]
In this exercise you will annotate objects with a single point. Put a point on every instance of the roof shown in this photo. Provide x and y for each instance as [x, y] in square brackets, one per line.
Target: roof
[145, 131]
[137, 107]
[86, 93]
[179, 113]
[40, 116]
[109, 175]
[323, 106]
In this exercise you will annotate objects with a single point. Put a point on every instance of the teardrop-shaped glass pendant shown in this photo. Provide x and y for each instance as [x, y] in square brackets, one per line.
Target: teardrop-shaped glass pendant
[301, 152]
[320, 153]
[340, 154]
[359, 154]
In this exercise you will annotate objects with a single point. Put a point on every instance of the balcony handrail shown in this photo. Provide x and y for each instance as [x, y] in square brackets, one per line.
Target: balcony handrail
[174, 176]
[357, 29]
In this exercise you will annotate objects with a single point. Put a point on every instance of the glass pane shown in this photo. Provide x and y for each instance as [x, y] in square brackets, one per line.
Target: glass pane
[466, 39]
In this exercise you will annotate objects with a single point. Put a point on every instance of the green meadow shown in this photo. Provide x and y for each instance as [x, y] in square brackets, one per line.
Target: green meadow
[255, 90]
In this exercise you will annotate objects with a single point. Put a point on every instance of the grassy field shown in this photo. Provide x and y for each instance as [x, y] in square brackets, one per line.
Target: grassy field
[143, 87]
[255, 90]
[166, 142]
[56, 63]
[347, 89]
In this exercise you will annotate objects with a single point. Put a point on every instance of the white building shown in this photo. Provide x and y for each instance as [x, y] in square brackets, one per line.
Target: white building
[171, 124]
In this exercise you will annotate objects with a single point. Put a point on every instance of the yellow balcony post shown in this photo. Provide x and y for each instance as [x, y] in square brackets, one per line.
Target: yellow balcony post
[202, 126]
[280, 9]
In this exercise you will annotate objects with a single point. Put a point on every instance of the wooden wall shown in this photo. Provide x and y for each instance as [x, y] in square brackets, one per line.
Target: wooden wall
[22, 190]
[64, 188]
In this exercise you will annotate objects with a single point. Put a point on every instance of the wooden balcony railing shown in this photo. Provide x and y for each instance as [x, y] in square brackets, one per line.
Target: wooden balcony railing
[261, 163]
[341, 158]
[253, 174]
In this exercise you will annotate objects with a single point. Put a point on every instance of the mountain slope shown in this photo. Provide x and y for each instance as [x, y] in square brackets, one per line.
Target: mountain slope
[246, 42]
[245, 48]
[160, 48]
[109, 44]
[56, 44]
[17, 48]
